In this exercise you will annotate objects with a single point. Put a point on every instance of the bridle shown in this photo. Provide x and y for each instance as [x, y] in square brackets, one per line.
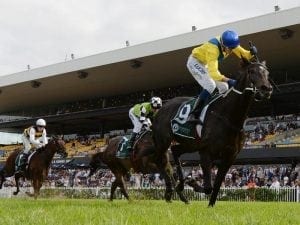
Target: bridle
[250, 88]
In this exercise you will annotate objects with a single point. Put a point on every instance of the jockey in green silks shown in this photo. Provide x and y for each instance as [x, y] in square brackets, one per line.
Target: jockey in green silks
[140, 113]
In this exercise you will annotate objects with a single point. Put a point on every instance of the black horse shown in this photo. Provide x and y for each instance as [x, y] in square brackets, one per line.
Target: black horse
[38, 167]
[222, 134]
[142, 161]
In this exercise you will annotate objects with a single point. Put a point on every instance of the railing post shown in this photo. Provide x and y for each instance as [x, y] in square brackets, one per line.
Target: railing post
[298, 194]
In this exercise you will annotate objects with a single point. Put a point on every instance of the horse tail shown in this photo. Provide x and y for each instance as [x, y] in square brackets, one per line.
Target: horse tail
[102, 149]
[2, 176]
[96, 161]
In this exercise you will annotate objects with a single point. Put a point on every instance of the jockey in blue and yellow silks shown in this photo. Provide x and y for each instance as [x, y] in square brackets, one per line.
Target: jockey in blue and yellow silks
[139, 114]
[203, 64]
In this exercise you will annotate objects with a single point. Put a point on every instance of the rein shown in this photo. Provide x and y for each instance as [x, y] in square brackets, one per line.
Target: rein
[224, 119]
[254, 90]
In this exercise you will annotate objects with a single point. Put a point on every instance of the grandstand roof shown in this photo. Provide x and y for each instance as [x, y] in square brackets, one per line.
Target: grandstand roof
[158, 64]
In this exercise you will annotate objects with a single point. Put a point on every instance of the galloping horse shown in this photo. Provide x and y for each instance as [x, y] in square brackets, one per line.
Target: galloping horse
[222, 134]
[143, 161]
[38, 167]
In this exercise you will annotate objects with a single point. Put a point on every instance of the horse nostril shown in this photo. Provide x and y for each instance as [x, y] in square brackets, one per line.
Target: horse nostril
[264, 88]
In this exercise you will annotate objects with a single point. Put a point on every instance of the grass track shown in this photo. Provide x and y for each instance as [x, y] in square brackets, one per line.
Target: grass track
[93, 212]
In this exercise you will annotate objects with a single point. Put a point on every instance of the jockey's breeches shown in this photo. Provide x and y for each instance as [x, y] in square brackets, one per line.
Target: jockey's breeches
[201, 75]
[26, 144]
[137, 125]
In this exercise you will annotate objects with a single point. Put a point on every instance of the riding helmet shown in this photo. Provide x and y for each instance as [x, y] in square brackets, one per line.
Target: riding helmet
[156, 102]
[230, 39]
[41, 123]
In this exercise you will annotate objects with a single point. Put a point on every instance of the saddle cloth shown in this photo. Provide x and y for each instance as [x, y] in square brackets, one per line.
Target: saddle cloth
[123, 151]
[28, 159]
[179, 123]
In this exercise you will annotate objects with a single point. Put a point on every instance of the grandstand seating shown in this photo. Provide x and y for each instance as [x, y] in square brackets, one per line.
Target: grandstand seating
[74, 148]
[285, 136]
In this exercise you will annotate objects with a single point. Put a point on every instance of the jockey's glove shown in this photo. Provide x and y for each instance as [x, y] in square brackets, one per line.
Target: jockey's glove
[39, 146]
[142, 119]
[253, 50]
[231, 83]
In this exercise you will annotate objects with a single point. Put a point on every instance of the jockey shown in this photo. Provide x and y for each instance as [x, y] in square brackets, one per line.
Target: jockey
[203, 65]
[139, 114]
[33, 137]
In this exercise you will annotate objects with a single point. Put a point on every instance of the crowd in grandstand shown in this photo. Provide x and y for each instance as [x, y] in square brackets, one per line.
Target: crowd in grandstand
[105, 102]
[269, 132]
[271, 176]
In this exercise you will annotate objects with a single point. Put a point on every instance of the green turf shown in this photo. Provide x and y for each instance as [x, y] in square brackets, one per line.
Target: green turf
[71, 212]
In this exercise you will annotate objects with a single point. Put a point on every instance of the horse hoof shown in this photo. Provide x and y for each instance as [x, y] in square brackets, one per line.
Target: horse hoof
[29, 194]
[169, 201]
[168, 197]
[210, 205]
[15, 192]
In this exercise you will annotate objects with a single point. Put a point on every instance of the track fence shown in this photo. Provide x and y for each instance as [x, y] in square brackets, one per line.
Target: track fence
[283, 194]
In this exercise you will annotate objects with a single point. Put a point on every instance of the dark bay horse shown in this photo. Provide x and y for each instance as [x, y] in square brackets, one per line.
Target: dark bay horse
[143, 161]
[38, 167]
[222, 134]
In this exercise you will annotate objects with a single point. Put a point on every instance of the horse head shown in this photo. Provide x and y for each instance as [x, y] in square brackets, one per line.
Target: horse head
[59, 145]
[257, 75]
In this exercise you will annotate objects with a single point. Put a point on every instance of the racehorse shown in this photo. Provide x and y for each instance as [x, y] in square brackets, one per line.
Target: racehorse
[143, 160]
[222, 133]
[37, 170]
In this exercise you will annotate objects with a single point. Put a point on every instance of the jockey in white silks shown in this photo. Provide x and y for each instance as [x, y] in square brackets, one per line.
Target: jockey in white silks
[33, 137]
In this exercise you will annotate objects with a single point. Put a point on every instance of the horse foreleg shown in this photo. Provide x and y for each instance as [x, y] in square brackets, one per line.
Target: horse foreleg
[180, 187]
[169, 186]
[113, 188]
[2, 177]
[37, 186]
[176, 154]
[222, 170]
[206, 165]
[123, 188]
[17, 177]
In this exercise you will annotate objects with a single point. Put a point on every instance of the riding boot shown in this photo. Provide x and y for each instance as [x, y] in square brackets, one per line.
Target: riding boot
[131, 142]
[22, 162]
[203, 97]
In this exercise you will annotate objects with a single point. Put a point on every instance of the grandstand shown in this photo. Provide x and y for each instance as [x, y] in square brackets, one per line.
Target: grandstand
[92, 95]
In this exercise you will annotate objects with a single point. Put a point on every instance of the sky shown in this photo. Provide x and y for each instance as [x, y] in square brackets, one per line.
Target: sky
[40, 33]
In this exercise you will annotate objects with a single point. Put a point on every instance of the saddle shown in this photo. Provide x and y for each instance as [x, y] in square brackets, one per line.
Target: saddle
[21, 165]
[182, 127]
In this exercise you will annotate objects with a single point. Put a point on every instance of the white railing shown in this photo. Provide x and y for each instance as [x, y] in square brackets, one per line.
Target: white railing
[284, 194]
